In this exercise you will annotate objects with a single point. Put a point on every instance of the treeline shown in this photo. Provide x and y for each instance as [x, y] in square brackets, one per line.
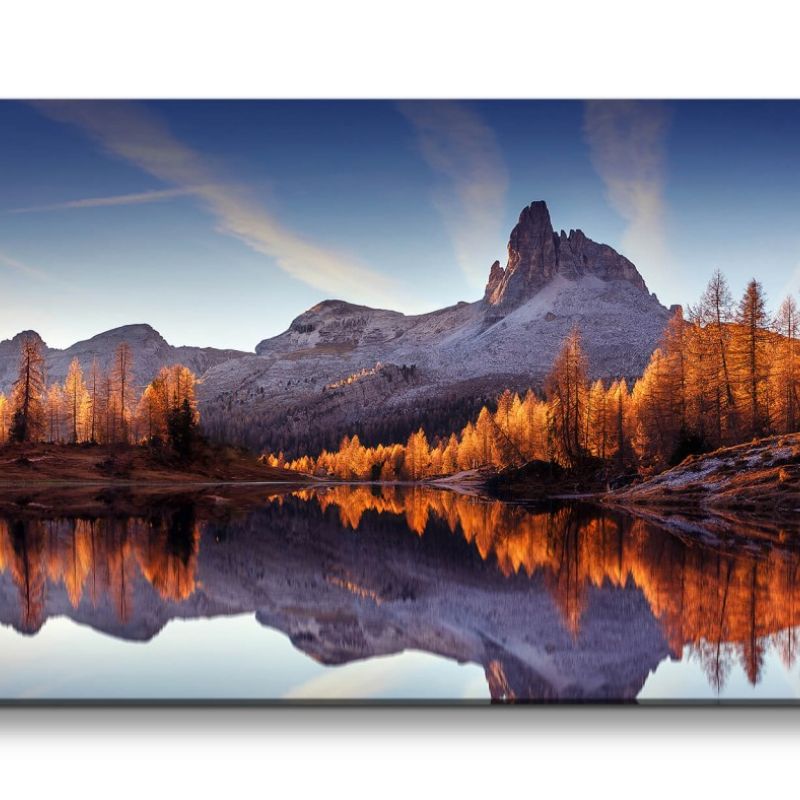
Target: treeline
[246, 421]
[101, 407]
[724, 373]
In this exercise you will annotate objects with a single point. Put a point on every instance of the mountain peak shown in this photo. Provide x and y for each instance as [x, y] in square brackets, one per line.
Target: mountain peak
[536, 254]
[27, 335]
[136, 333]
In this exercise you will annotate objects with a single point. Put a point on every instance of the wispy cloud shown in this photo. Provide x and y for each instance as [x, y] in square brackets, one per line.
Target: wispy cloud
[132, 132]
[463, 150]
[15, 265]
[627, 145]
[138, 198]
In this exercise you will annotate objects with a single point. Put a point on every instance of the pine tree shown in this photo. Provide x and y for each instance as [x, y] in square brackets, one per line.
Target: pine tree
[182, 430]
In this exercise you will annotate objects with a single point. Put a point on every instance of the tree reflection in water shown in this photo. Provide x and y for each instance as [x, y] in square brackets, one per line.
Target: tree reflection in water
[354, 571]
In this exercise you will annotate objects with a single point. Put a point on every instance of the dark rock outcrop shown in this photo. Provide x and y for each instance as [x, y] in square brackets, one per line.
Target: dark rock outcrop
[536, 254]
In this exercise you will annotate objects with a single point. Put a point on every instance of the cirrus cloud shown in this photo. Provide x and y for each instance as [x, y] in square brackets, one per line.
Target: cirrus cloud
[134, 133]
[627, 146]
[135, 199]
[463, 150]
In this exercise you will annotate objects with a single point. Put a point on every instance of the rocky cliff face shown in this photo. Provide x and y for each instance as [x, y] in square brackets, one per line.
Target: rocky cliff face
[536, 254]
[467, 351]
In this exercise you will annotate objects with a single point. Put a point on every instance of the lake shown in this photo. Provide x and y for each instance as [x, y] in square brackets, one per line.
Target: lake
[386, 593]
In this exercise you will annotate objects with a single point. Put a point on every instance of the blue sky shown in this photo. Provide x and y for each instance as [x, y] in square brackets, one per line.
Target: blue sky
[219, 222]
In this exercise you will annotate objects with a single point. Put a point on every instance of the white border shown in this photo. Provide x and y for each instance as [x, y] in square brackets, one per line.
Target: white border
[355, 48]
[413, 48]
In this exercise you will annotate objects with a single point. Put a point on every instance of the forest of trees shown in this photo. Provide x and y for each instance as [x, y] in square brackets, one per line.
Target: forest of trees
[101, 407]
[724, 373]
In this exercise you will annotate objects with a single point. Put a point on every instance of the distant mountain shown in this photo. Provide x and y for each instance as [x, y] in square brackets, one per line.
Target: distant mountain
[343, 368]
[150, 352]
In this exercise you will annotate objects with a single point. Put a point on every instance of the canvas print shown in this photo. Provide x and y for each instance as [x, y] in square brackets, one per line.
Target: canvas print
[399, 401]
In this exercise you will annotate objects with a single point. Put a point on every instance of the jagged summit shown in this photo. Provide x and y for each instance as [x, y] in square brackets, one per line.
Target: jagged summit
[536, 254]
[298, 390]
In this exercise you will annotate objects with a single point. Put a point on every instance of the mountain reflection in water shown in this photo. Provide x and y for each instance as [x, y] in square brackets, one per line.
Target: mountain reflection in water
[569, 603]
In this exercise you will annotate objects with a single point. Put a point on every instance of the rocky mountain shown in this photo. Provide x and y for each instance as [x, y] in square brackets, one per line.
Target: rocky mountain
[536, 255]
[343, 368]
[150, 352]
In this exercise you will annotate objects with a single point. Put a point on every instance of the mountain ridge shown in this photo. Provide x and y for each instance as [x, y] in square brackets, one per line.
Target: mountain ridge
[295, 390]
[455, 355]
[151, 352]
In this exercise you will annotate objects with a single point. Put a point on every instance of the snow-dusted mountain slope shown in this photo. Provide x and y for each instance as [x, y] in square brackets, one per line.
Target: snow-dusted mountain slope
[400, 366]
[342, 368]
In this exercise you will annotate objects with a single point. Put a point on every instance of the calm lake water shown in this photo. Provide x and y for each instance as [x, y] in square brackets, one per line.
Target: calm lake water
[390, 593]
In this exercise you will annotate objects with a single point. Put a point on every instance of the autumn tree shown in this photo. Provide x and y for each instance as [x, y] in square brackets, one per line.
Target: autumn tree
[654, 436]
[123, 377]
[667, 428]
[785, 372]
[109, 404]
[711, 355]
[674, 349]
[619, 410]
[4, 418]
[485, 438]
[28, 393]
[450, 456]
[468, 455]
[76, 398]
[167, 409]
[567, 393]
[598, 430]
[417, 456]
[54, 412]
[750, 348]
[95, 384]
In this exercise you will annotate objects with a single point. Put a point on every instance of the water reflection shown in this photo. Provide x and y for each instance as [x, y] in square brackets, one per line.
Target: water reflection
[99, 560]
[569, 603]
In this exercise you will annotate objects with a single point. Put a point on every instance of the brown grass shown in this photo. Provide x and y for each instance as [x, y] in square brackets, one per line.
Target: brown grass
[109, 464]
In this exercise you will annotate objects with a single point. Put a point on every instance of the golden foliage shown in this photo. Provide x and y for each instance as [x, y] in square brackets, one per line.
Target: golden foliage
[97, 561]
[718, 378]
[725, 606]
